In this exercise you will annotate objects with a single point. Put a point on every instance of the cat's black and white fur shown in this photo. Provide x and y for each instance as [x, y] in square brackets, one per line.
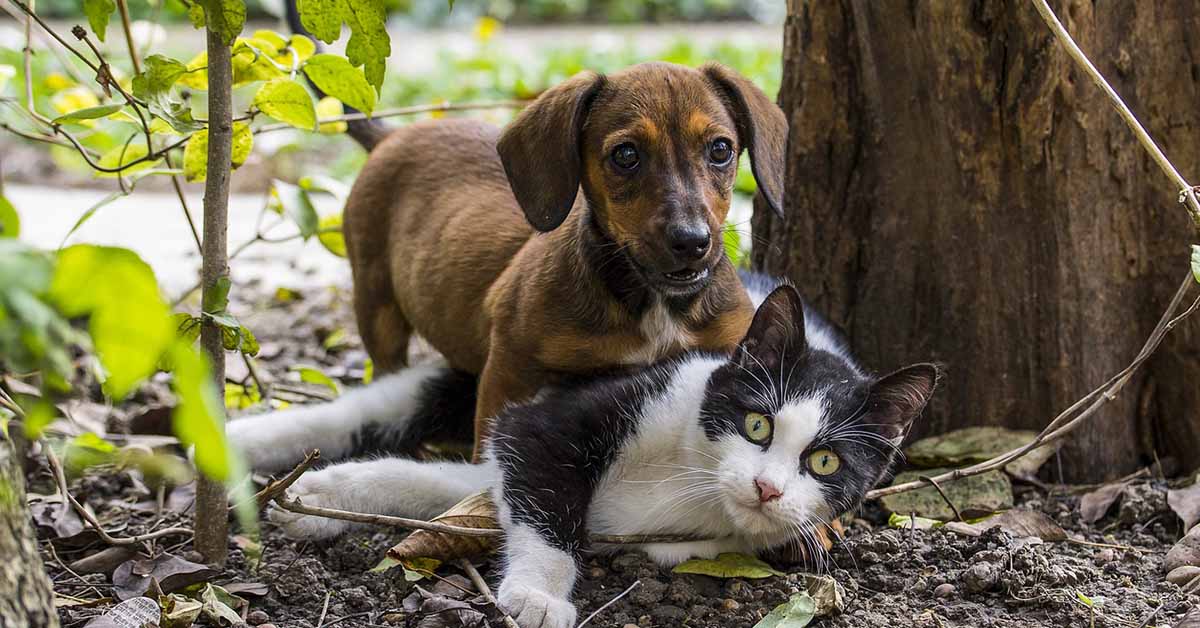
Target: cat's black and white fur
[751, 451]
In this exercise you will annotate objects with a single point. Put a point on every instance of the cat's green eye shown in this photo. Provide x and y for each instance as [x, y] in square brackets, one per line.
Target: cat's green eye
[824, 462]
[758, 427]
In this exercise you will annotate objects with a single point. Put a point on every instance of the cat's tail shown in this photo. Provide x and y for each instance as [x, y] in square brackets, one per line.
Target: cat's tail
[390, 416]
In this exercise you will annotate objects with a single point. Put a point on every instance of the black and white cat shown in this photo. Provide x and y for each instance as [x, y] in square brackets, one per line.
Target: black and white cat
[753, 451]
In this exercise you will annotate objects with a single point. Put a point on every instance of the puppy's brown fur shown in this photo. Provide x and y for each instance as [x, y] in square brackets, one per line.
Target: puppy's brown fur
[479, 242]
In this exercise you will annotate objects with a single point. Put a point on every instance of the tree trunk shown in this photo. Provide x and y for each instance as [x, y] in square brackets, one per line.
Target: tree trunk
[212, 518]
[959, 191]
[25, 595]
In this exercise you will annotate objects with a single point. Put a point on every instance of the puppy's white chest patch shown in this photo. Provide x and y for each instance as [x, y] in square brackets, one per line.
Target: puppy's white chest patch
[662, 334]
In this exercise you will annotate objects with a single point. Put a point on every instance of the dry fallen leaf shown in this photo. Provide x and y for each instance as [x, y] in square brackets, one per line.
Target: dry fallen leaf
[1095, 504]
[1018, 522]
[476, 511]
[172, 573]
[1186, 503]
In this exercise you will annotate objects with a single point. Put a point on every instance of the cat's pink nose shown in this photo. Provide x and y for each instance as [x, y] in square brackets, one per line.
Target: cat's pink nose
[767, 491]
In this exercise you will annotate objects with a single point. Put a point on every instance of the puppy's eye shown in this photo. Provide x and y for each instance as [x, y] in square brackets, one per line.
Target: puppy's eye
[720, 152]
[758, 427]
[625, 157]
[824, 462]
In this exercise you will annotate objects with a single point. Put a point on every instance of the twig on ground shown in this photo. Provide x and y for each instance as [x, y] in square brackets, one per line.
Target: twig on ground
[957, 515]
[609, 603]
[295, 505]
[1187, 193]
[90, 519]
[484, 590]
[324, 609]
[1079, 412]
[280, 486]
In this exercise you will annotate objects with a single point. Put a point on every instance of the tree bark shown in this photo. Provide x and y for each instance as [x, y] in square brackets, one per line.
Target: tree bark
[26, 598]
[212, 519]
[959, 191]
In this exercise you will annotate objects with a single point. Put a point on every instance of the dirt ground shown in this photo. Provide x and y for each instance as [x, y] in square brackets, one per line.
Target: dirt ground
[889, 577]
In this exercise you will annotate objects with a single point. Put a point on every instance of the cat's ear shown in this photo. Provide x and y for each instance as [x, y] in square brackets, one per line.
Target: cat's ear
[897, 400]
[776, 332]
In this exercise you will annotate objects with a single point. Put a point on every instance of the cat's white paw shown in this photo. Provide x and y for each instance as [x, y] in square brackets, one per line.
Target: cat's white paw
[533, 608]
[317, 488]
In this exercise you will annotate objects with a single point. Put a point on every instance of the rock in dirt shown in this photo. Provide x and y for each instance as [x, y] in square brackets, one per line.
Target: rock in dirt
[257, 618]
[1183, 575]
[1185, 553]
[980, 577]
[944, 591]
[1141, 503]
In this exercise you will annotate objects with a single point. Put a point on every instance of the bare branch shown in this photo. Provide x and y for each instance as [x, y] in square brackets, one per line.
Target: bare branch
[408, 111]
[484, 590]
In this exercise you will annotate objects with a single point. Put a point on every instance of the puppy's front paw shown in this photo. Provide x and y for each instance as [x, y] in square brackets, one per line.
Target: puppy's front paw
[319, 488]
[533, 608]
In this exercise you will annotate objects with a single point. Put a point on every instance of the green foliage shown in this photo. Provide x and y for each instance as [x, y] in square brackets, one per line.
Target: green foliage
[728, 565]
[10, 221]
[369, 45]
[196, 418]
[335, 76]
[98, 12]
[128, 319]
[33, 335]
[295, 202]
[88, 113]
[797, 612]
[195, 154]
[287, 101]
[1196, 261]
[226, 17]
[313, 375]
[155, 85]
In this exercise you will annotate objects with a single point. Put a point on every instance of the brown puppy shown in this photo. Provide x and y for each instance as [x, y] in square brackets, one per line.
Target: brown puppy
[479, 242]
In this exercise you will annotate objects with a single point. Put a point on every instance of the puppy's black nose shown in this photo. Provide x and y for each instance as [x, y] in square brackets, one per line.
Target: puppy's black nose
[688, 243]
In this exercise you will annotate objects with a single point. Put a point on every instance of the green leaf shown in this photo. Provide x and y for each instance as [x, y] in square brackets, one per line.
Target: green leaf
[299, 207]
[368, 371]
[225, 17]
[10, 222]
[1196, 261]
[313, 375]
[87, 450]
[797, 612]
[198, 415]
[1087, 601]
[195, 154]
[335, 76]
[387, 563]
[88, 113]
[158, 77]
[39, 417]
[129, 322]
[416, 569]
[98, 12]
[239, 397]
[905, 522]
[243, 142]
[369, 45]
[234, 335]
[728, 565]
[217, 299]
[329, 233]
[328, 108]
[125, 157]
[287, 101]
[155, 85]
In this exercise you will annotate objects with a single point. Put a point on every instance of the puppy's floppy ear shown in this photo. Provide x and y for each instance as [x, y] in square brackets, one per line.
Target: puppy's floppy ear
[540, 150]
[897, 399]
[762, 129]
[776, 332]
